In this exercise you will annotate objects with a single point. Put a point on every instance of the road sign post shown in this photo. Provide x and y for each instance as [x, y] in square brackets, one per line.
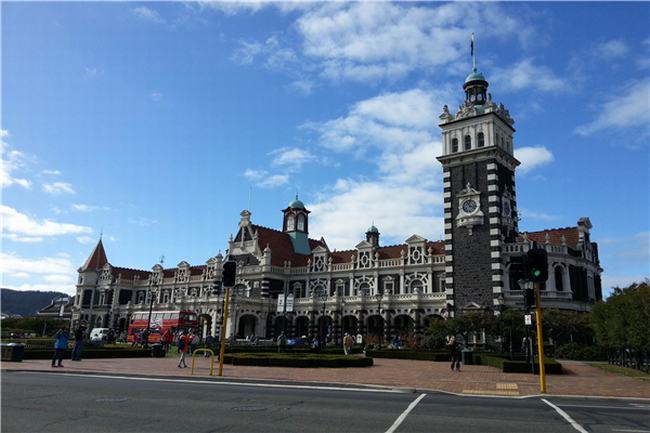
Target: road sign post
[540, 337]
[222, 349]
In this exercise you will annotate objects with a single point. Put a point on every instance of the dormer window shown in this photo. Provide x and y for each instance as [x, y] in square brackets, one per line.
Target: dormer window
[291, 223]
[468, 142]
[301, 222]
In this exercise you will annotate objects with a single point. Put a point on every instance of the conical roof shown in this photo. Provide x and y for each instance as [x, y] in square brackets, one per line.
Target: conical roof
[97, 258]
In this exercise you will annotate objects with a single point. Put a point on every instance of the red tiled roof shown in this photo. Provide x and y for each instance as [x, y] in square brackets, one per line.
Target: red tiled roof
[571, 236]
[128, 273]
[197, 270]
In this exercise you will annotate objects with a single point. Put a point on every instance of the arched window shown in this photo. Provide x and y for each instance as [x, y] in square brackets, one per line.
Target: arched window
[416, 286]
[559, 279]
[468, 142]
[454, 145]
[291, 223]
[301, 222]
[364, 289]
[481, 139]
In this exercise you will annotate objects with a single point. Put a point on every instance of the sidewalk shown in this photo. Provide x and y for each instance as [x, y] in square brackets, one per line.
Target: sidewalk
[581, 379]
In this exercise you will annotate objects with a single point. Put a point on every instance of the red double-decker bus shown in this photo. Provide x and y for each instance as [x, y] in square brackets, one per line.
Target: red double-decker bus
[160, 322]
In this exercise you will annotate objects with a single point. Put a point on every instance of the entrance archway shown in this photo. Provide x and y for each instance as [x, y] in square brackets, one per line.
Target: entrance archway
[349, 325]
[246, 327]
[325, 329]
[302, 326]
[376, 327]
[205, 324]
[280, 325]
[403, 325]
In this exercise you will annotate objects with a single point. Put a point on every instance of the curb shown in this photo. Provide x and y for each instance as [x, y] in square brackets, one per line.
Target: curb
[408, 390]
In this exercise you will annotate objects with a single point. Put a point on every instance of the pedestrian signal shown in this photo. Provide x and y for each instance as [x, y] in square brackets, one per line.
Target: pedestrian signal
[537, 265]
[229, 273]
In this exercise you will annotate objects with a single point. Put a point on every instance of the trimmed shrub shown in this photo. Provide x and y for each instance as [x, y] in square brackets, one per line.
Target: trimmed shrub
[297, 360]
[581, 352]
[89, 353]
[410, 354]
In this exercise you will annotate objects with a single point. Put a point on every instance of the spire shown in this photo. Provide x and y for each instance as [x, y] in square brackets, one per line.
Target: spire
[97, 258]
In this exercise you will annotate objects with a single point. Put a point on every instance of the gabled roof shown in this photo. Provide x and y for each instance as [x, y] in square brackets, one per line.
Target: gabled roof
[97, 258]
[571, 236]
[281, 246]
[129, 273]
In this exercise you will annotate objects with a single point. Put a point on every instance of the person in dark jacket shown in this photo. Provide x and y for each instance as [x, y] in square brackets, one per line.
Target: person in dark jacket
[60, 344]
[79, 334]
[454, 350]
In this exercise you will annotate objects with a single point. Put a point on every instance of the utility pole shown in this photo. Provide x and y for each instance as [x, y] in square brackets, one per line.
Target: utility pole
[540, 337]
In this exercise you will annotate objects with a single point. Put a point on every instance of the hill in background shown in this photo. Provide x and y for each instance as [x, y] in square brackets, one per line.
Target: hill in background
[25, 303]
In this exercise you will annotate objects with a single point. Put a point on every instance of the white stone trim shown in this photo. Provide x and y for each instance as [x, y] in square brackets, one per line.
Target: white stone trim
[493, 209]
[449, 280]
[497, 289]
[497, 266]
[448, 236]
[494, 220]
[447, 214]
[495, 243]
[493, 198]
[491, 166]
[447, 226]
[446, 194]
[495, 254]
[492, 188]
[446, 184]
[497, 277]
[496, 231]
[449, 258]
[449, 269]
[447, 205]
[449, 247]
[446, 174]
[492, 176]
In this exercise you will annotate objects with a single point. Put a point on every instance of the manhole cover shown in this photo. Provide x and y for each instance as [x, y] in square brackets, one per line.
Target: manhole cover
[248, 408]
[111, 399]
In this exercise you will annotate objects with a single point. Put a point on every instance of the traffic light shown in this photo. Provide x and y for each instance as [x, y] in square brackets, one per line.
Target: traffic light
[529, 297]
[518, 268]
[229, 273]
[537, 265]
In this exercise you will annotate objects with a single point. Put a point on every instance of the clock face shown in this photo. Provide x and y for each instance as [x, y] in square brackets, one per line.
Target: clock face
[506, 208]
[469, 206]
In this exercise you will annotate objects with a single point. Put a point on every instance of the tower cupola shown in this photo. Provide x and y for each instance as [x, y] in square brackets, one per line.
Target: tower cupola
[372, 235]
[296, 225]
[475, 88]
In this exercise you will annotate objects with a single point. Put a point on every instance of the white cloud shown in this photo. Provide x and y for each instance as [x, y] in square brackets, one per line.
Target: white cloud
[291, 157]
[51, 172]
[58, 188]
[526, 75]
[344, 215]
[11, 160]
[148, 14]
[532, 157]
[45, 273]
[628, 108]
[612, 49]
[303, 86]
[533, 215]
[394, 132]
[80, 207]
[372, 41]
[142, 221]
[156, 96]
[84, 239]
[18, 225]
[264, 179]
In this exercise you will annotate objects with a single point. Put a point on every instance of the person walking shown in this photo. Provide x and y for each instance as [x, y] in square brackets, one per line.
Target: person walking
[209, 344]
[79, 334]
[60, 344]
[282, 342]
[182, 345]
[195, 340]
[454, 350]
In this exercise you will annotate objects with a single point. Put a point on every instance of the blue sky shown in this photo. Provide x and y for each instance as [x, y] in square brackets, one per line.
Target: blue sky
[157, 123]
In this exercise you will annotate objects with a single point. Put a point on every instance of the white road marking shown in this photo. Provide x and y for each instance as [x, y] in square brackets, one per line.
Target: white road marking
[566, 416]
[252, 384]
[602, 407]
[635, 431]
[402, 417]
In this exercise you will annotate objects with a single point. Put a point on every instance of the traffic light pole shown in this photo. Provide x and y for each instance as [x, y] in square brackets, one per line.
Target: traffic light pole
[222, 348]
[540, 338]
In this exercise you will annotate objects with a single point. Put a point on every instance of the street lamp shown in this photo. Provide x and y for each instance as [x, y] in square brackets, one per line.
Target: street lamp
[341, 320]
[151, 292]
[378, 297]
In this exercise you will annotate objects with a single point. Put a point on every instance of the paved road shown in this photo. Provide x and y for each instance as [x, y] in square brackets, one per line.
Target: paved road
[41, 402]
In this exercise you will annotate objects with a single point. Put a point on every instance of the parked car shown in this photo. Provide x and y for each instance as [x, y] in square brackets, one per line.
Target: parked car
[98, 335]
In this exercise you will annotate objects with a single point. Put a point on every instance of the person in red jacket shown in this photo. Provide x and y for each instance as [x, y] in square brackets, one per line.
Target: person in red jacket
[167, 338]
[182, 344]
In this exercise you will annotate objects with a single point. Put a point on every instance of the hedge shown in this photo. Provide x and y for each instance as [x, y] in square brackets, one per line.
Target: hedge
[301, 361]
[332, 350]
[581, 352]
[551, 366]
[410, 354]
[89, 353]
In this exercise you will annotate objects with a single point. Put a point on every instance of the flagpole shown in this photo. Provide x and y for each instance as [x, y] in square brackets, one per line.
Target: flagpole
[472, 52]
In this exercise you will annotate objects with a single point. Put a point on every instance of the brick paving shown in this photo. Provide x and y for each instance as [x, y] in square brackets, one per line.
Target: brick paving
[582, 379]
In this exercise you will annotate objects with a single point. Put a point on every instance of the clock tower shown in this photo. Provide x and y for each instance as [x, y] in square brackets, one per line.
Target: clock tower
[479, 197]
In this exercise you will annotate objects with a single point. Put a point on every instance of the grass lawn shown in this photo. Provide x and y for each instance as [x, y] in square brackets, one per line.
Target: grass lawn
[624, 371]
